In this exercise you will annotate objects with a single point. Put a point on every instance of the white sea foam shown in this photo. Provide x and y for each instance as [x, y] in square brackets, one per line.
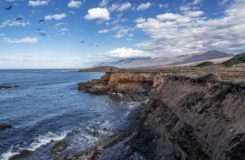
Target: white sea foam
[9, 153]
[40, 141]
[127, 113]
[83, 141]
[45, 139]
[133, 104]
[106, 123]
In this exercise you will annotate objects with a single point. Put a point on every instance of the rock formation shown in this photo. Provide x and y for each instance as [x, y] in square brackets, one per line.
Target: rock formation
[7, 87]
[192, 114]
[4, 126]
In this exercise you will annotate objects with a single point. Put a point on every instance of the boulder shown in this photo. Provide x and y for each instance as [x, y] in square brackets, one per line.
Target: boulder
[23, 154]
[7, 87]
[59, 146]
[4, 126]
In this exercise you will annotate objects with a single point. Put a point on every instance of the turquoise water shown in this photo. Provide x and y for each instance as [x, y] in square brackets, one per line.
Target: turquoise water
[47, 107]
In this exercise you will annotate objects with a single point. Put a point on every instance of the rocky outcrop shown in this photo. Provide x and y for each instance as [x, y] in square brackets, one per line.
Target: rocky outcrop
[7, 87]
[59, 146]
[188, 117]
[124, 82]
[195, 118]
[22, 155]
[4, 126]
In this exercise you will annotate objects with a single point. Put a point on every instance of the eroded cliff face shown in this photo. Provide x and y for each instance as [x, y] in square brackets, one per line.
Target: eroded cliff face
[120, 82]
[197, 118]
[186, 117]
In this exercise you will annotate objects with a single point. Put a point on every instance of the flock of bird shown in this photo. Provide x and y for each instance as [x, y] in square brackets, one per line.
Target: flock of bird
[19, 19]
[40, 31]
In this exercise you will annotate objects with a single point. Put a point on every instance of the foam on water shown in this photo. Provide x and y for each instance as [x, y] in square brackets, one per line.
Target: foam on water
[45, 139]
[9, 153]
[40, 141]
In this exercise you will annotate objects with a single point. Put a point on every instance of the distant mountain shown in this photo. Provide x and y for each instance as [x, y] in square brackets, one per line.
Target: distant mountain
[100, 69]
[168, 61]
[204, 57]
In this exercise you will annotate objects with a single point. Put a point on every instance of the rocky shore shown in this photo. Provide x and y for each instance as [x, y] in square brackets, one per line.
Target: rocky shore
[191, 113]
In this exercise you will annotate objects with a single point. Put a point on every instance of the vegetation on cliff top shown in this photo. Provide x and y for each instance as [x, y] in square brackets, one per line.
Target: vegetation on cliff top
[100, 69]
[240, 58]
[205, 64]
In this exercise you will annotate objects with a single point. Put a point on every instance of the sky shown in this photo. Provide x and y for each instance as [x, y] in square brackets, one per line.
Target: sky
[82, 33]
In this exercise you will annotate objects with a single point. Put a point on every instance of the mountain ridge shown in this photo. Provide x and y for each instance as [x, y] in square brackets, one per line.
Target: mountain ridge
[162, 61]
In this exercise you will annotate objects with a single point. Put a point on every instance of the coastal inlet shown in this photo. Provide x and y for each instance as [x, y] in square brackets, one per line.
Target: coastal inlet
[47, 117]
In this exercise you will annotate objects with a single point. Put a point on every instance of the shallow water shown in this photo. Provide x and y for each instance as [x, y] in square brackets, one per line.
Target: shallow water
[46, 108]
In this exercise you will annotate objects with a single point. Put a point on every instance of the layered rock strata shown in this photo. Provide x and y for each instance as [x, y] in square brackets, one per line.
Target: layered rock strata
[187, 117]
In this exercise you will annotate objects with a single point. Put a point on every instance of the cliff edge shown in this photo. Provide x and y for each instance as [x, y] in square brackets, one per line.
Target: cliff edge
[192, 113]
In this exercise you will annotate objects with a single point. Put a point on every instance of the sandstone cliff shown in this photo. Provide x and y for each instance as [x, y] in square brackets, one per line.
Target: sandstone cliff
[192, 114]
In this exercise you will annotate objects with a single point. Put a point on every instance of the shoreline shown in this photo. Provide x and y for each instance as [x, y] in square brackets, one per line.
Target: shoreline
[190, 113]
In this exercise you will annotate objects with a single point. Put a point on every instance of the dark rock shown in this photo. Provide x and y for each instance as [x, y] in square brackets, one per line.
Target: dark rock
[196, 115]
[4, 126]
[209, 78]
[59, 146]
[7, 87]
[205, 64]
[23, 154]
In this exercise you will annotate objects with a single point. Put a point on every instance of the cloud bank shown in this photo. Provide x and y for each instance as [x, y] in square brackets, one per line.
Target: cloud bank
[190, 30]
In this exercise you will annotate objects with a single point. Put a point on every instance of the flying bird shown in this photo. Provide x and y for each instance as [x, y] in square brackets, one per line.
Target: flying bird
[9, 8]
[42, 33]
[41, 20]
[93, 45]
[19, 19]
[82, 42]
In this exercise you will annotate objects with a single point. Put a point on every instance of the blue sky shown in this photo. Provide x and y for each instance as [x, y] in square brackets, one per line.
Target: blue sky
[81, 33]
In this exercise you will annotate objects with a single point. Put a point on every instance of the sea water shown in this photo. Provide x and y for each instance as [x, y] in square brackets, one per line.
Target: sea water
[46, 107]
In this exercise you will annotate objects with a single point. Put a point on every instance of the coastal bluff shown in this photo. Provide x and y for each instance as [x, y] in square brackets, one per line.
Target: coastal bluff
[191, 113]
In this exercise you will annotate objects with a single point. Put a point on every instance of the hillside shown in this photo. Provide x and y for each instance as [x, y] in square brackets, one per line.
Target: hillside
[240, 58]
[100, 69]
[169, 61]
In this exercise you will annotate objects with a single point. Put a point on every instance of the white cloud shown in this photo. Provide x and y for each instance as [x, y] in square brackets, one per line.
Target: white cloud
[104, 3]
[98, 13]
[60, 24]
[127, 52]
[168, 16]
[222, 2]
[30, 40]
[194, 13]
[47, 61]
[120, 31]
[55, 16]
[14, 23]
[144, 6]
[196, 2]
[74, 4]
[36, 3]
[103, 31]
[140, 20]
[121, 7]
[63, 31]
[190, 30]
[163, 6]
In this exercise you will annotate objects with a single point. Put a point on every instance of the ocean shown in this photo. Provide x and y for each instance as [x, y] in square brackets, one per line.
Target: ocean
[47, 108]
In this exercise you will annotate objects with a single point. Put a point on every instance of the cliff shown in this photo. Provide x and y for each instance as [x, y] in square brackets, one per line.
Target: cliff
[192, 113]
